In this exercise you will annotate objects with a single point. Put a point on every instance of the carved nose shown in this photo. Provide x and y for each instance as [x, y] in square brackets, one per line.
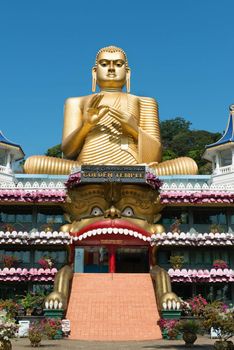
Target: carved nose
[111, 67]
[112, 213]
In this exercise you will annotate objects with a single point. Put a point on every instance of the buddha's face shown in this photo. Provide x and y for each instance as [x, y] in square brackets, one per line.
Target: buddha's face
[111, 71]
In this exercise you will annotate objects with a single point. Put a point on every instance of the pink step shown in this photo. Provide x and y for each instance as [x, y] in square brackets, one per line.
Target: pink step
[113, 307]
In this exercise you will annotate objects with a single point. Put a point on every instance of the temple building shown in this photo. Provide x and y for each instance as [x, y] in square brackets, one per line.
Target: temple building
[198, 217]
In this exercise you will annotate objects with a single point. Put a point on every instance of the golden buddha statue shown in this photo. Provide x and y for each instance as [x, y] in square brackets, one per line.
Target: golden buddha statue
[110, 127]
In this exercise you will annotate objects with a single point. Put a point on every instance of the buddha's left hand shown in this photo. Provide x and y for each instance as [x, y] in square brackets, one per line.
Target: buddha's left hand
[126, 119]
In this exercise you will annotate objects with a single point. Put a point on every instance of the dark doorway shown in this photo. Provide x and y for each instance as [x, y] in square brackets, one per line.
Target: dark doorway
[132, 260]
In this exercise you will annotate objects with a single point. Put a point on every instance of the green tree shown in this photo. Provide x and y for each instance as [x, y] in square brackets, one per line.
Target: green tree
[55, 151]
[179, 140]
[171, 127]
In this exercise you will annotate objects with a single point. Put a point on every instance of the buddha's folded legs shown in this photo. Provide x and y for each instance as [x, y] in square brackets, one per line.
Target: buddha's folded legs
[178, 166]
[58, 166]
[48, 165]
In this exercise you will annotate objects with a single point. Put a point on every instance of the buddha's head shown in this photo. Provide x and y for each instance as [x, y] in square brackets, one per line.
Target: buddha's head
[111, 71]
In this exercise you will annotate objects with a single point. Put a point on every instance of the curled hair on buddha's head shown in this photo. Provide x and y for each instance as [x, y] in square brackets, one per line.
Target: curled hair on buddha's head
[112, 49]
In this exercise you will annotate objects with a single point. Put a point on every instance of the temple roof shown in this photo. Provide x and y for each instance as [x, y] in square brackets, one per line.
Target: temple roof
[17, 150]
[228, 135]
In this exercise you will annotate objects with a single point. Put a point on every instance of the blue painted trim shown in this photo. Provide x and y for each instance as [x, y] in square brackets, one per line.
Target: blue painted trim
[228, 135]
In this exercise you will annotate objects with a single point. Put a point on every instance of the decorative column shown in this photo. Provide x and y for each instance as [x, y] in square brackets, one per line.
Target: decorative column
[112, 251]
[8, 161]
[232, 159]
[217, 163]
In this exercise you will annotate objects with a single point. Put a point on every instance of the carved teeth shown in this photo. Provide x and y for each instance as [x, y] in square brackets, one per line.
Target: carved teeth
[110, 230]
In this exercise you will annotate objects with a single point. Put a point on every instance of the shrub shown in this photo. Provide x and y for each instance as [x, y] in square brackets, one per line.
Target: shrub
[218, 317]
[197, 305]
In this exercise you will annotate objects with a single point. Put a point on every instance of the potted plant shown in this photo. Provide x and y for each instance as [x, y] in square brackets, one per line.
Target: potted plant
[8, 227]
[8, 329]
[189, 330]
[176, 261]
[9, 260]
[52, 328]
[46, 262]
[220, 264]
[38, 303]
[168, 328]
[175, 226]
[221, 319]
[29, 302]
[35, 333]
[216, 228]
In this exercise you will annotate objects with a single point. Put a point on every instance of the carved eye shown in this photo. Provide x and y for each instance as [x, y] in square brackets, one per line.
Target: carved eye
[96, 211]
[103, 63]
[119, 64]
[128, 211]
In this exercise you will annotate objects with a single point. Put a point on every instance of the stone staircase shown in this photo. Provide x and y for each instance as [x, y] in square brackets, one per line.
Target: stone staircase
[113, 307]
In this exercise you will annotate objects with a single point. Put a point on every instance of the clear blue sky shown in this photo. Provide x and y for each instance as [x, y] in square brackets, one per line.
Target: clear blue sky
[180, 51]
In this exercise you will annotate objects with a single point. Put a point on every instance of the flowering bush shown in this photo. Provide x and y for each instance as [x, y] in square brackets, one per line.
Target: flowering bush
[197, 305]
[217, 316]
[51, 327]
[10, 307]
[220, 264]
[8, 327]
[46, 262]
[185, 308]
[168, 327]
[9, 260]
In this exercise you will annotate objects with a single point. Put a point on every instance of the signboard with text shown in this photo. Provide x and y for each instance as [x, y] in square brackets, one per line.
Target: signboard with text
[112, 173]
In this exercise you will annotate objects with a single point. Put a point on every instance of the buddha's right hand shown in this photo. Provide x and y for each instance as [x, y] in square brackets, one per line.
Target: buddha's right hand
[94, 112]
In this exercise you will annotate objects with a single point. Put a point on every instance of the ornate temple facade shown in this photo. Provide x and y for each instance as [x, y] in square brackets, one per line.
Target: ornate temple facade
[198, 217]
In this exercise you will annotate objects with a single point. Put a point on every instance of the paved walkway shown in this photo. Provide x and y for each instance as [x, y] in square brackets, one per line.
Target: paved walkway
[202, 343]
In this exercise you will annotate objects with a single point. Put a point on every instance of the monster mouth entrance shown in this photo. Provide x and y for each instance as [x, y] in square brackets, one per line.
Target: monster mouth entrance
[112, 247]
[103, 259]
